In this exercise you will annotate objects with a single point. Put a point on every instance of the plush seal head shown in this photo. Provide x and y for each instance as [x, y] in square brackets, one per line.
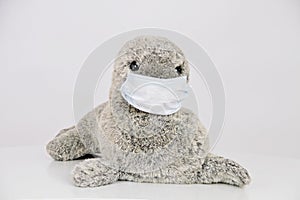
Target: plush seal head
[138, 140]
[150, 56]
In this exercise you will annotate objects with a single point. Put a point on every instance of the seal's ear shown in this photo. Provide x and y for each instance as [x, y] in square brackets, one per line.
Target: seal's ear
[186, 69]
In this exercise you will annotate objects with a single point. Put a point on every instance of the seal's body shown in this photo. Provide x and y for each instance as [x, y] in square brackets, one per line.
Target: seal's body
[138, 146]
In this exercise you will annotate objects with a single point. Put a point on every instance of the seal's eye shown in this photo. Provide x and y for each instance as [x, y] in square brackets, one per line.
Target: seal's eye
[134, 66]
[179, 69]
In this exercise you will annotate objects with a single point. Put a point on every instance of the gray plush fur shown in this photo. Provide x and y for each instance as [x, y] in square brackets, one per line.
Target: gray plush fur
[137, 146]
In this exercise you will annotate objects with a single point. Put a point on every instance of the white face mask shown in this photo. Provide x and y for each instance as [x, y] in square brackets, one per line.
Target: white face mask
[155, 95]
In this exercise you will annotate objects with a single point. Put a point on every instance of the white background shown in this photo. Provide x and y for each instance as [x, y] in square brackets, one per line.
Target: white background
[255, 45]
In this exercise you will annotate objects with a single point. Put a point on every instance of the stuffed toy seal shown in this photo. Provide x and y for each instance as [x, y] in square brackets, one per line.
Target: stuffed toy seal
[142, 133]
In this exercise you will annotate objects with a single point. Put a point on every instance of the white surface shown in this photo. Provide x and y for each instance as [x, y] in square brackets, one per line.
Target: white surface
[255, 45]
[27, 172]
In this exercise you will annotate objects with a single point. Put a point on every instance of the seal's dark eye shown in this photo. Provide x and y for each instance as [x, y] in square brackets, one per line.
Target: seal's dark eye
[179, 69]
[134, 66]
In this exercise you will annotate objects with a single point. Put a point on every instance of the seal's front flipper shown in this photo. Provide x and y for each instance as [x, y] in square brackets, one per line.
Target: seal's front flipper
[91, 173]
[66, 145]
[217, 169]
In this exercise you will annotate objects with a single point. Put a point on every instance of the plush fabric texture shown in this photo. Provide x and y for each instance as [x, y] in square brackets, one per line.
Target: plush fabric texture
[133, 145]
